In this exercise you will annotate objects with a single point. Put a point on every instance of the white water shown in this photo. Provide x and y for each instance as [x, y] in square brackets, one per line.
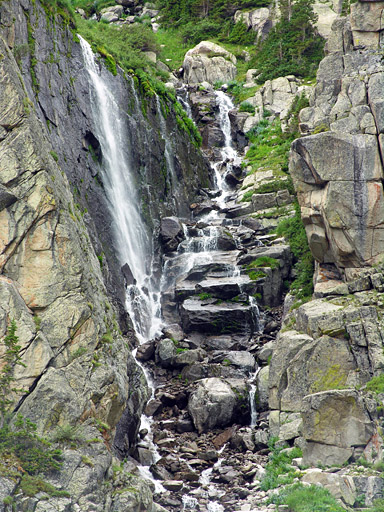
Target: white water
[133, 242]
[228, 153]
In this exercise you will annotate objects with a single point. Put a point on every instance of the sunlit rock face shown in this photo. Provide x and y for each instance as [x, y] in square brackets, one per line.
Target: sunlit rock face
[209, 62]
[338, 168]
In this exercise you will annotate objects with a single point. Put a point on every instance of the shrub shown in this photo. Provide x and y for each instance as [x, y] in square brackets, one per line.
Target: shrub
[293, 230]
[264, 261]
[376, 384]
[279, 470]
[33, 452]
[246, 107]
[313, 498]
[292, 46]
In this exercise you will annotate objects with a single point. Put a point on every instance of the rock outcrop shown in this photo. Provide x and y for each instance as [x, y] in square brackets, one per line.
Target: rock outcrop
[338, 172]
[208, 62]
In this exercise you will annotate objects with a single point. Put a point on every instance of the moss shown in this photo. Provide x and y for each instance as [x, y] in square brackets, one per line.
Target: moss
[334, 378]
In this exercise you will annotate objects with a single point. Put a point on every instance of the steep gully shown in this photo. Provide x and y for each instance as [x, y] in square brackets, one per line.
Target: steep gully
[204, 289]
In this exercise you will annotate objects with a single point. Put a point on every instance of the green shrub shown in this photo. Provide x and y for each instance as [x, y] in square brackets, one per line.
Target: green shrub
[33, 452]
[293, 230]
[246, 107]
[279, 470]
[264, 261]
[313, 498]
[376, 384]
[292, 46]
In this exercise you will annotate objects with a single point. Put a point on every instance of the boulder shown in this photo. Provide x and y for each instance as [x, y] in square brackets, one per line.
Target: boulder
[258, 20]
[212, 404]
[335, 423]
[111, 14]
[342, 487]
[216, 318]
[165, 352]
[209, 62]
[171, 233]
[313, 365]
[262, 389]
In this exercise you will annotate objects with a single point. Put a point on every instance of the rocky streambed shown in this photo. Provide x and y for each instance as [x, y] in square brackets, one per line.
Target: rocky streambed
[210, 366]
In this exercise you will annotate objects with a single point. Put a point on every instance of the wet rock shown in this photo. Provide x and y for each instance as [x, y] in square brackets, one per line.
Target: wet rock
[153, 408]
[184, 425]
[159, 472]
[165, 352]
[173, 485]
[213, 318]
[146, 351]
[262, 389]
[171, 233]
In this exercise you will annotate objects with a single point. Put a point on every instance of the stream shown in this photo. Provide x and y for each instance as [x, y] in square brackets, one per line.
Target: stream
[211, 246]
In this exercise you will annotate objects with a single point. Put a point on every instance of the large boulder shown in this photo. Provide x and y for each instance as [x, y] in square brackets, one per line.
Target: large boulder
[214, 403]
[335, 424]
[209, 62]
[171, 233]
[258, 20]
[367, 23]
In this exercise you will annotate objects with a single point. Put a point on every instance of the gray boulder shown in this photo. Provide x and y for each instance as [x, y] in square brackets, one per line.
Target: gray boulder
[212, 404]
[208, 62]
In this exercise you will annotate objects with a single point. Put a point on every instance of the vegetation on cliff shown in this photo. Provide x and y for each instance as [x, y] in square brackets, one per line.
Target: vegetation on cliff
[292, 46]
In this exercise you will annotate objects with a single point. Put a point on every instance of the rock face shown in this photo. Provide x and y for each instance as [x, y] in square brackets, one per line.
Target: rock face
[55, 233]
[67, 121]
[258, 20]
[335, 347]
[208, 62]
[367, 24]
[342, 209]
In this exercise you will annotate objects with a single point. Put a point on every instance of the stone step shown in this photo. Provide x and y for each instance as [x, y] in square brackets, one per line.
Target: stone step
[221, 287]
[210, 317]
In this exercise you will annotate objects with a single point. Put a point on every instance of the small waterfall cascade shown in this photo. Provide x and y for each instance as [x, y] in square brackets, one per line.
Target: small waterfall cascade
[229, 155]
[133, 242]
[208, 249]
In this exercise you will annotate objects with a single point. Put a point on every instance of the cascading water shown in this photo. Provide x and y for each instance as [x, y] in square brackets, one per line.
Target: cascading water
[133, 243]
[229, 155]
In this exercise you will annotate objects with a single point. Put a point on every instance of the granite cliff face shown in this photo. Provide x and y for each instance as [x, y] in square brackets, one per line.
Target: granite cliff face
[332, 346]
[54, 236]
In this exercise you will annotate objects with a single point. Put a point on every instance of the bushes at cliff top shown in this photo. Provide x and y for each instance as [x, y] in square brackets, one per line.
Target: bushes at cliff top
[293, 46]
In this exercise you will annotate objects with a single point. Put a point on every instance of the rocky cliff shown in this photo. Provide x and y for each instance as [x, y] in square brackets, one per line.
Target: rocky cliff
[332, 346]
[60, 278]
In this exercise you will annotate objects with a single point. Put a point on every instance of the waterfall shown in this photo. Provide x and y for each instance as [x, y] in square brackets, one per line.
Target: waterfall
[228, 153]
[132, 240]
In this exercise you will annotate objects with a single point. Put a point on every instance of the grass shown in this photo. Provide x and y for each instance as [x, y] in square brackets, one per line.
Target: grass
[269, 147]
[172, 47]
[293, 230]
[313, 498]
[376, 385]
[279, 470]
[262, 262]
